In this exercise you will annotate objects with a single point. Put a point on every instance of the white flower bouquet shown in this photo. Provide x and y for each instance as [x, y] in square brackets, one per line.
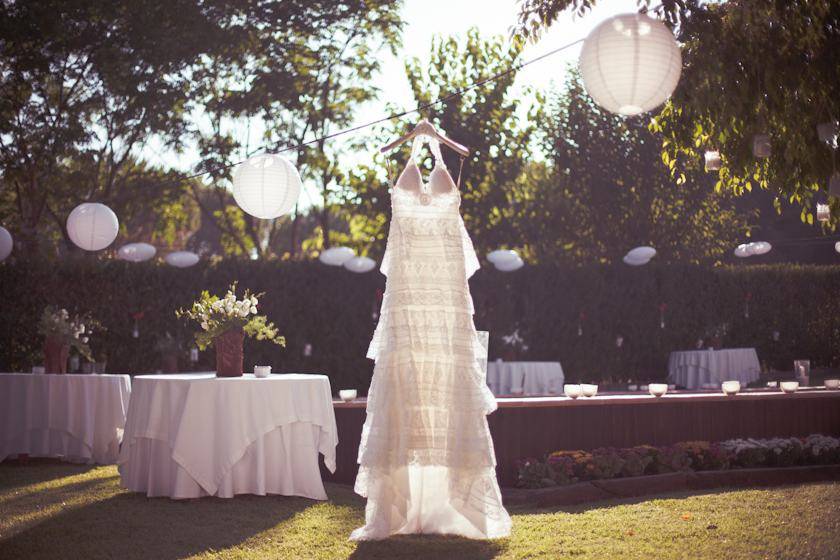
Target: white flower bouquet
[56, 324]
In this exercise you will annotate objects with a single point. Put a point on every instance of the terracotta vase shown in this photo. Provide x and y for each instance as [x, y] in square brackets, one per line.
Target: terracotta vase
[169, 363]
[56, 352]
[229, 353]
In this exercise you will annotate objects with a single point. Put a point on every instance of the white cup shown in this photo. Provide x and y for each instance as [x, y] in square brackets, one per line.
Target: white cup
[571, 390]
[658, 389]
[262, 371]
[347, 395]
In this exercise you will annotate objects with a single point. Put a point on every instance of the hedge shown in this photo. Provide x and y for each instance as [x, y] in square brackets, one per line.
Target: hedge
[334, 311]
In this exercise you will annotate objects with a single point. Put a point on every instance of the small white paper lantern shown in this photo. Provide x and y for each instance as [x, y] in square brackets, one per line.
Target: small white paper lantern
[336, 256]
[266, 186]
[642, 253]
[510, 265]
[837, 246]
[634, 261]
[182, 259]
[834, 184]
[6, 243]
[827, 131]
[630, 64]
[360, 265]
[823, 212]
[501, 255]
[136, 252]
[712, 158]
[92, 226]
[761, 145]
[760, 247]
[743, 250]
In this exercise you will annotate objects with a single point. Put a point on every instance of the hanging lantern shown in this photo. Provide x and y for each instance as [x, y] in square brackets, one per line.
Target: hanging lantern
[743, 250]
[581, 319]
[827, 132]
[630, 64]
[747, 299]
[759, 247]
[510, 265]
[823, 212]
[501, 255]
[834, 184]
[837, 246]
[663, 307]
[634, 261]
[642, 253]
[182, 259]
[360, 265]
[336, 256]
[761, 145]
[266, 186]
[136, 252]
[712, 158]
[6, 243]
[92, 226]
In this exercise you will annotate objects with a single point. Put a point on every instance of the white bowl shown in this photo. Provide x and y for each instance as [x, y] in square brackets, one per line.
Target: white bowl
[644, 387]
[571, 391]
[347, 395]
[789, 386]
[658, 389]
[772, 384]
[632, 387]
[731, 387]
[832, 383]
[588, 390]
[262, 371]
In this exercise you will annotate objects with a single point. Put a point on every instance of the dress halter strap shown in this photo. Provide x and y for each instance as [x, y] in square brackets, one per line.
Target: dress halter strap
[433, 144]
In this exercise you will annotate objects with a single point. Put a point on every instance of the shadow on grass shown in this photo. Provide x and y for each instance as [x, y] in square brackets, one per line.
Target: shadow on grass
[128, 525]
[14, 474]
[436, 547]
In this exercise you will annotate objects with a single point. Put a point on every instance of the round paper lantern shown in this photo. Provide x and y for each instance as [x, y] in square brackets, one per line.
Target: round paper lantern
[510, 265]
[630, 64]
[92, 226]
[336, 256]
[760, 247]
[266, 186]
[634, 261]
[136, 252]
[182, 259]
[6, 243]
[501, 255]
[837, 246]
[642, 253]
[360, 264]
[743, 250]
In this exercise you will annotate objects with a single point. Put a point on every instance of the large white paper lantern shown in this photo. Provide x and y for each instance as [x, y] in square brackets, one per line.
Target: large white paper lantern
[510, 265]
[92, 226]
[6, 243]
[501, 255]
[336, 256]
[182, 259]
[630, 64]
[837, 246]
[136, 252]
[266, 186]
[634, 261]
[642, 253]
[743, 250]
[760, 247]
[360, 265]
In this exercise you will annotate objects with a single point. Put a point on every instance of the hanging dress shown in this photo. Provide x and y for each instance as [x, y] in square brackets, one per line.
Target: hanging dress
[426, 460]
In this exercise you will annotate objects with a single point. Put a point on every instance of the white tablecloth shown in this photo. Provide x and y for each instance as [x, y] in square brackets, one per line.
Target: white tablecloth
[193, 435]
[77, 417]
[529, 378]
[695, 369]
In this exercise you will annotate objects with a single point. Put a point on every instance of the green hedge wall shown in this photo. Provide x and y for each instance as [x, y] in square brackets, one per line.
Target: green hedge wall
[333, 310]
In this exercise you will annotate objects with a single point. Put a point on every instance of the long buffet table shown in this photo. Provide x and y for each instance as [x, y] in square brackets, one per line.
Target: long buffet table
[532, 426]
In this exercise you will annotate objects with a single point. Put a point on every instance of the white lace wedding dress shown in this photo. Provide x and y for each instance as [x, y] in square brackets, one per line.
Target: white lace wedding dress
[426, 457]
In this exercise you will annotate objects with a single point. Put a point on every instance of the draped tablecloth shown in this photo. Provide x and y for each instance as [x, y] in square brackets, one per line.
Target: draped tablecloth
[77, 417]
[696, 369]
[193, 435]
[529, 378]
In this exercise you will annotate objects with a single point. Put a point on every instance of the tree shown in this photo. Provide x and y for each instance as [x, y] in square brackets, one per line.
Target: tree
[759, 67]
[605, 190]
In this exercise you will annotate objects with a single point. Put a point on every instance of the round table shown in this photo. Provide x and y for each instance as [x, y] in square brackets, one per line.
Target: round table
[194, 435]
[79, 418]
[528, 378]
[698, 369]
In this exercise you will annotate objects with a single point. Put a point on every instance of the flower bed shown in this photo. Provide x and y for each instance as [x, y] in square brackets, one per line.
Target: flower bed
[566, 467]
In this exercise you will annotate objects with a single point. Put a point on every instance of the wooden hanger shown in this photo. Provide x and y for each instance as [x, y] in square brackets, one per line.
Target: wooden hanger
[424, 127]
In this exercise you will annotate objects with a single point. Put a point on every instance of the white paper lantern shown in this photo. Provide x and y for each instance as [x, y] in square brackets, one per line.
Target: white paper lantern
[837, 246]
[360, 265]
[743, 250]
[712, 158]
[92, 226]
[823, 212]
[502, 255]
[834, 184]
[642, 253]
[761, 145]
[6, 243]
[266, 186]
[760, 247]
[182, 259]
[336, 256]
[630, 64]
[510, 265]
[136, 252]
[634, 261]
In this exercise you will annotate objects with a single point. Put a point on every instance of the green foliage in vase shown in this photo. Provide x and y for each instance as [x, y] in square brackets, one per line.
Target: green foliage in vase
[72, 331]
[217, 316]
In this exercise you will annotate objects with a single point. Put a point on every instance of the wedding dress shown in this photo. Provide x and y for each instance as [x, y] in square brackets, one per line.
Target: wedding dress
[426, 456]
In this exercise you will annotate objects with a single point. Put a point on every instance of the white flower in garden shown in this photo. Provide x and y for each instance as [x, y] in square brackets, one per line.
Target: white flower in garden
[254, 310]
[217, 305]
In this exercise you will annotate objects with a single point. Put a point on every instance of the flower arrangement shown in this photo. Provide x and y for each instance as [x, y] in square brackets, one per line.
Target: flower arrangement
[217, 316]
[57, 325]
[566, 467]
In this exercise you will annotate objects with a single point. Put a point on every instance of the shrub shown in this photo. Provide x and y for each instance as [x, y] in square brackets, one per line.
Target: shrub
[821, 450]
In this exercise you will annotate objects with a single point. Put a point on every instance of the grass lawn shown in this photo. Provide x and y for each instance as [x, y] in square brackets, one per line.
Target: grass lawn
[52, 510]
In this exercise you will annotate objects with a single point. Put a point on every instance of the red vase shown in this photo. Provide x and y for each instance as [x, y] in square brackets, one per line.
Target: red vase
[169, 363]
[56, 352]
[229, 353]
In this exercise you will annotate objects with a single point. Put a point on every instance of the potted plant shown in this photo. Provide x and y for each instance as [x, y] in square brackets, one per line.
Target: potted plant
[60, 334]
[224, 324]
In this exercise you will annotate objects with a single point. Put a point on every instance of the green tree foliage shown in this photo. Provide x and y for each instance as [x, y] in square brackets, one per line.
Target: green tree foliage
[605, 190]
